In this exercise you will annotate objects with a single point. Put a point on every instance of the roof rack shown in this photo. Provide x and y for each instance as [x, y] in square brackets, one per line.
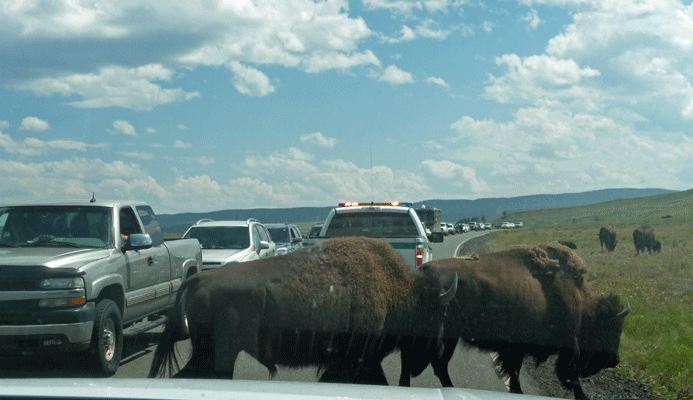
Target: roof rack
[204, 220]
[252, 220]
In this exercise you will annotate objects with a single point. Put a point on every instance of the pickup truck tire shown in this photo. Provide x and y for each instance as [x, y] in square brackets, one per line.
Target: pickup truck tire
[107, 339]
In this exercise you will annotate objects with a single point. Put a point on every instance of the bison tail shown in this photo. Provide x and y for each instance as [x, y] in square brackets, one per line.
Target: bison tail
[165, 354]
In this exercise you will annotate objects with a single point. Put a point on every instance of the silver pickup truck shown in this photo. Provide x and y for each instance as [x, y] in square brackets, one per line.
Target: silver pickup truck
[74, 274]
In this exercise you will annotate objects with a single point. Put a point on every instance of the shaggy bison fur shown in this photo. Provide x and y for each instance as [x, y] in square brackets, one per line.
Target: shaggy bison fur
[526, 301]
[340, 305]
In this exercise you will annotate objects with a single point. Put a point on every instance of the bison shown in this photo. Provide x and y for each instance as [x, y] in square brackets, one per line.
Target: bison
[607, 237]
[525, 301]
[644, 238]
[341, 305]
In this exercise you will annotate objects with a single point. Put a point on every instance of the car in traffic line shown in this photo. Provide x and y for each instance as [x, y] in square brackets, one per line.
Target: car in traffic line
[287, 237]
[224, 242]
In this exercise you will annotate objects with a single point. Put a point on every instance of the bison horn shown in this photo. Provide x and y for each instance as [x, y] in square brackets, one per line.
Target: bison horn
[446, 298]
[625, 311]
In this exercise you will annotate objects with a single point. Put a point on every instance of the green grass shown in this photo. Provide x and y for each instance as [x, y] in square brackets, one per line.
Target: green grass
[657, 342]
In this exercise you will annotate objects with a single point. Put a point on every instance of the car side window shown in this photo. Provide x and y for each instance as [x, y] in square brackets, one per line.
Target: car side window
[128, 222]
[151, 225]
[264, 235]
[256, 237]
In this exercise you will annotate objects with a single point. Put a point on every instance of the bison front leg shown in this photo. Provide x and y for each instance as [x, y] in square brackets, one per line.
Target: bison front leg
[440, 365]
[567, 375]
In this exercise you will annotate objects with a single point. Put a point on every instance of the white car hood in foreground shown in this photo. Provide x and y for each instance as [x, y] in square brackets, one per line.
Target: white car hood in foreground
[232, 389]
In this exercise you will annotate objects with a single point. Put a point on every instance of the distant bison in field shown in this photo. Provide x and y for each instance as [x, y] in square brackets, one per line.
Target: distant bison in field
[569, 244]
[526, 301]
[342, 306]
[607, 237]
[644, 238]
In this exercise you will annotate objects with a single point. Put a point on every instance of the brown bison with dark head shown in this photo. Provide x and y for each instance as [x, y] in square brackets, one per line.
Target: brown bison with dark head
[338, 305]
[644, 238]
[526, 301]
[607, 237]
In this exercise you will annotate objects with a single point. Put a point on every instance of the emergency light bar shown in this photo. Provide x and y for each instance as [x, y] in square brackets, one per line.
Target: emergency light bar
[393, 203]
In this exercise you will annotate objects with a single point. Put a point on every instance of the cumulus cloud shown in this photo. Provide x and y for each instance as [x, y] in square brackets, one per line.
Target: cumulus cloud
[124, 128]
[4, 124]
[436, 81]
[319, 139]
[138, 155]
[179, 144]
[535, 77]
[112, 86]
[206, 160]
[37, 147]
[250, 81]
[34, 124]
[394, 76]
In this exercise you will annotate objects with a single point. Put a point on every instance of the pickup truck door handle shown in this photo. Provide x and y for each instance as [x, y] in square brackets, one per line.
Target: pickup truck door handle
[150, 261]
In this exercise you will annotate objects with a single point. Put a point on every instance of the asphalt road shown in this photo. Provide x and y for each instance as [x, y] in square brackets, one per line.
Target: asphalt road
[468, 368]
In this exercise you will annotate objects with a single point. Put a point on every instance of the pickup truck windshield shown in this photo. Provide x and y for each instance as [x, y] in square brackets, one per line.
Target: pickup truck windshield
[221, 237]
[280, 235]
[56, 226]
[374, 225]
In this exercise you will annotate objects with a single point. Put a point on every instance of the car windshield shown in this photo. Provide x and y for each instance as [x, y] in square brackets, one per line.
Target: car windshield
[220, 237]
[57, 226]
[548, 119]
[374, 225]
[280, 235]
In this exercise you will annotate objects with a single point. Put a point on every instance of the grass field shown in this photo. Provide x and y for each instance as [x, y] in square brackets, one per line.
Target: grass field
[657, 342]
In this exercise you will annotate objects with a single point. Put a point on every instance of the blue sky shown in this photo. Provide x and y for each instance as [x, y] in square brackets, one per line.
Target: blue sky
[210, 105]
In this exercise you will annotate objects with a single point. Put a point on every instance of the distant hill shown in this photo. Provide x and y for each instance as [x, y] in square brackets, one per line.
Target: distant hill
[451, 210]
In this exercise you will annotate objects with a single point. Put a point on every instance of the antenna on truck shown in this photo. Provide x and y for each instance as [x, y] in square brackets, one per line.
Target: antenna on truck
[93, 197]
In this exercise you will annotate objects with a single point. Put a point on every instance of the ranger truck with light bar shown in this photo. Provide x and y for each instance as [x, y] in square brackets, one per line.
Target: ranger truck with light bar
[395, 222]
[73, 274]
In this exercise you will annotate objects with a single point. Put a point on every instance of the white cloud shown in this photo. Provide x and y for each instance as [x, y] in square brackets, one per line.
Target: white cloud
[4, 125]
[112, 86]
[37, 147]
[536, 77]
[436, 81]
[139, 155]
[179, 144]
[34, 124]
[394, 76]
[183, 127]
[532, 19]
[250, 81]
[150, 130]
[123, 127]
[319, 139]
[206, 160]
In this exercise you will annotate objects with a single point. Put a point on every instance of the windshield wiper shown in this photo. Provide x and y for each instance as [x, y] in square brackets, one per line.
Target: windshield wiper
[50, 240]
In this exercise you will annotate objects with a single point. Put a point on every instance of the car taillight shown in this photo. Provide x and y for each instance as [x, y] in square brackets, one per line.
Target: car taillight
[419, 255]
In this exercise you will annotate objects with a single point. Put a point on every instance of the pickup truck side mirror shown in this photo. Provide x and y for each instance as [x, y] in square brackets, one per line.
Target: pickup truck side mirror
[263, 246]
[297, 240]
[138, 241]
[435, 237]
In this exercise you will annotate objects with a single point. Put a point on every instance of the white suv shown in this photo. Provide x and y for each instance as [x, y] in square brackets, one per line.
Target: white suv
[224, 242]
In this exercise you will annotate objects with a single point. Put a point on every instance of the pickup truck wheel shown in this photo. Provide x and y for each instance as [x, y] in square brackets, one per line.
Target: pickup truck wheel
[107, 339]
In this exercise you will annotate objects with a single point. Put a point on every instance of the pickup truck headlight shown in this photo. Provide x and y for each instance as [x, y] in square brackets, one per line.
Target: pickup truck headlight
[66, 300]
[62, 283]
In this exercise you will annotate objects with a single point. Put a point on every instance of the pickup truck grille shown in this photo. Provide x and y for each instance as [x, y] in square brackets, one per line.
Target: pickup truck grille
[18, 285]
[18, 312]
